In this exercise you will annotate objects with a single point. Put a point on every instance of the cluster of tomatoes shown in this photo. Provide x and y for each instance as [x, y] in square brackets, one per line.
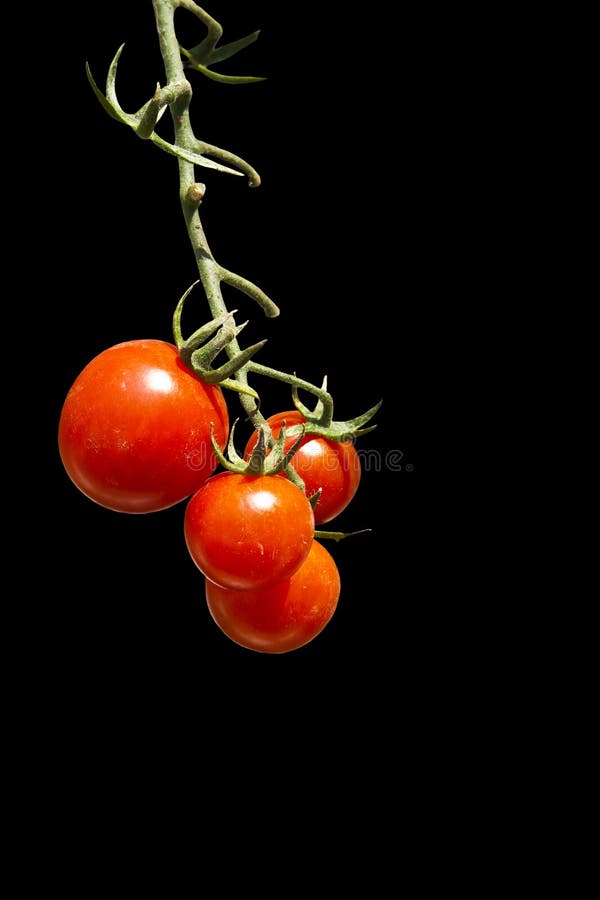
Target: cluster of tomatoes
[135, 437]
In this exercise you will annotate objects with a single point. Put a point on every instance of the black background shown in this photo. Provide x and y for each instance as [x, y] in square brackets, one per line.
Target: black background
[344, 234]
[372, 232]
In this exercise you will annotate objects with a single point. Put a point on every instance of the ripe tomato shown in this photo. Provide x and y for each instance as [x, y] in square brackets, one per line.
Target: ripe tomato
[286, 615]
[333, 466]
[248, 531]
[134, 432]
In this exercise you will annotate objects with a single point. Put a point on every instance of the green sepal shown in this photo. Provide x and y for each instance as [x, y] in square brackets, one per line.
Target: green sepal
[205, 54]
[215, 376]
[292, 475]
[339, 535]
[217, 76]
[314, 498]
[187, 346]
[112, 106]
[237, 464]
[256, 461]
[214, 54]
[100, 96]
[316, 422]
[233, 462]
[268, 456]
[318, 412]
[239, 388]
[196, 351]
[202, 355]
[194, 341]
[195, 158]
[287, 457]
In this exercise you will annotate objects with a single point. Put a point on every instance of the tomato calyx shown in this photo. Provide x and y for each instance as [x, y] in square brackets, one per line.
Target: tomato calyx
[269, 456]
[199, 350]
[319, 421]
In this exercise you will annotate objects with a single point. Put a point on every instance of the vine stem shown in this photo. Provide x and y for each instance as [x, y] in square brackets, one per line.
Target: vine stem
[190, 194]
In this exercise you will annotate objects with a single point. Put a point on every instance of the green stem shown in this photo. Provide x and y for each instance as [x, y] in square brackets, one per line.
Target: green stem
[190, 193]
[208, 268]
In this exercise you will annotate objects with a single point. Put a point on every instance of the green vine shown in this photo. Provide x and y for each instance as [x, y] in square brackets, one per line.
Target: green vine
[199, 350]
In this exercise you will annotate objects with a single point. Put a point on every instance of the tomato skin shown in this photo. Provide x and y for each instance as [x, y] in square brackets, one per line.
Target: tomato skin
[333, 466]
[134, 431]
[285, 616]
[248, 531]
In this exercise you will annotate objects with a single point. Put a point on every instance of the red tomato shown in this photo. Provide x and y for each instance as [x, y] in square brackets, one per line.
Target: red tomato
[333, 466]
[248, 531]
[286, 615]
[134, 432]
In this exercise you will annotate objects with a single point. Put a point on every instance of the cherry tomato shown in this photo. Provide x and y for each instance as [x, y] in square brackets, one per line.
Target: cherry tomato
[333, 466]
[134, 432]
[248, 531]
[286, 615]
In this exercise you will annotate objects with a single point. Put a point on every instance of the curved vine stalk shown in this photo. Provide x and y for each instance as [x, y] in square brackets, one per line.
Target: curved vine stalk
[192, 152]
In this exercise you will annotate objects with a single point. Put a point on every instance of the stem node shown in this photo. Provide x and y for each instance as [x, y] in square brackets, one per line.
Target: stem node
[195, 194]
